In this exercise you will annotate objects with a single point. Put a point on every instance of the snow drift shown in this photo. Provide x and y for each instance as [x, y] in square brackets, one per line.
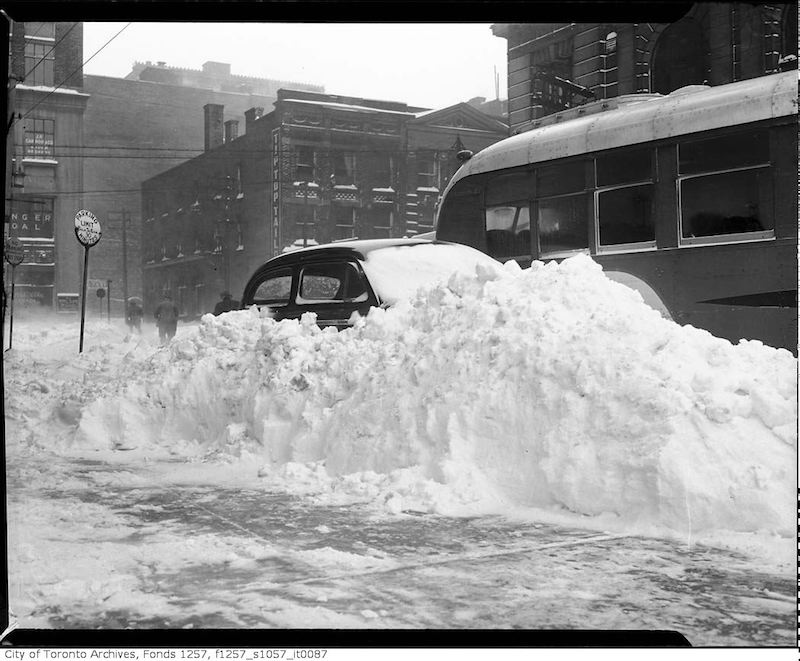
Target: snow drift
[550, 387]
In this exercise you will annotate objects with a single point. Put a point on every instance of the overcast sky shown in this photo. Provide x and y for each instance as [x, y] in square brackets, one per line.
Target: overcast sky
[429, 65]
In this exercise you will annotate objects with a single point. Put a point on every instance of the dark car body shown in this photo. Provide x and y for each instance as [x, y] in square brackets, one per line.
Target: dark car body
[329, 280]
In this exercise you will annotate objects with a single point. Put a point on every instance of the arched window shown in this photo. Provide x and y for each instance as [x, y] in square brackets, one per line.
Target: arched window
[678, 59]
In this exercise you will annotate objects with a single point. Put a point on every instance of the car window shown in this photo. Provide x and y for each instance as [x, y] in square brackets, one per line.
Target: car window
[274, 289]
[332, 281]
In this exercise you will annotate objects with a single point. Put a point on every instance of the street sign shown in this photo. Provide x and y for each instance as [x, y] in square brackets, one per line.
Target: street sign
[14, 251]
[87, 228]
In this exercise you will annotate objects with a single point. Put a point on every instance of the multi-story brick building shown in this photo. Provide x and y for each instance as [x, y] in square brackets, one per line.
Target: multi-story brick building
[81, 141]
[553, 66]
[141, 125]
[318, 168]
[44, 185]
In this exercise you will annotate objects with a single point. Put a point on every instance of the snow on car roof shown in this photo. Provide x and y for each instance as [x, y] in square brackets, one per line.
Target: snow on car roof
[397, 271]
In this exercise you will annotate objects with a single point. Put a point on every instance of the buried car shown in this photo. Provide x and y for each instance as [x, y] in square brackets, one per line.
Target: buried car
[338, 279]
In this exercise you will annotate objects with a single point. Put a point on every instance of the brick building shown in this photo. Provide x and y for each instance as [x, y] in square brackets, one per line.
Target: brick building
[554, 66]
[80, 141]
[318, 168]
[43, 188]
[143, 124]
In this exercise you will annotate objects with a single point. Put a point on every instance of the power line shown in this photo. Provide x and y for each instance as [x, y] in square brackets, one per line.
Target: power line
[46, 96]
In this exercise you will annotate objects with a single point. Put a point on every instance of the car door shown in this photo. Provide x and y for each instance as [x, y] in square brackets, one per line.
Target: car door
[273, 290]
[333, 289]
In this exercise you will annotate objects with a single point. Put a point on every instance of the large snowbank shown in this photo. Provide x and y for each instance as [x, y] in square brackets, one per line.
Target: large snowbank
[550, 388]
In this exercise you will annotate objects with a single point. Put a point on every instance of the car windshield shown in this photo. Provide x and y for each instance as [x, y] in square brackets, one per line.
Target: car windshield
[397, 272]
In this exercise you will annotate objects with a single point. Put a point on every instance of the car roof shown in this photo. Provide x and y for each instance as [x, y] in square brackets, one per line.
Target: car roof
[353, 248]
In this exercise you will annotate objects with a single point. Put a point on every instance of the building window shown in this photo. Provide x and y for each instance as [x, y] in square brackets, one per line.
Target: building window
[39, 60]
[382, 222]
[725, 187]
[344, 168]
[383, 171]
[239, 237]
[306, 222]
[344, 219]
[304, 169]
[183, 300]
[39, 29]
[39, 138]
[198, 296]
[427, 170]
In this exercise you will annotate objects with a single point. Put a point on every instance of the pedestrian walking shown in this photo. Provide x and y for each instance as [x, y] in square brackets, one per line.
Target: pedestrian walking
[134, 314]
[166, 315]
[226, 304]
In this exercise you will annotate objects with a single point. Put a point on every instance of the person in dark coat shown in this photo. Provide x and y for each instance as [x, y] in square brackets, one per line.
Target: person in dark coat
[226, 304]
[134, 314]
[166, 315]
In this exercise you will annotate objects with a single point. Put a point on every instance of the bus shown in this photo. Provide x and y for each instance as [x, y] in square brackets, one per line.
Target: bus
[689, 198]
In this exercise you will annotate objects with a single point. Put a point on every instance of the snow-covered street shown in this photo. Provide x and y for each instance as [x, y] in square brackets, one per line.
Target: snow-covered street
[515, 449]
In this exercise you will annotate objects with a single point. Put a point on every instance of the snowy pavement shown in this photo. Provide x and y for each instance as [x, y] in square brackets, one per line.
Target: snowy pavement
[199, 556]
[525, 449]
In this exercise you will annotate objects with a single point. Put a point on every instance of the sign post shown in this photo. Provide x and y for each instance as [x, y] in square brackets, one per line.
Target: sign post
[88, 233]
[14, 252]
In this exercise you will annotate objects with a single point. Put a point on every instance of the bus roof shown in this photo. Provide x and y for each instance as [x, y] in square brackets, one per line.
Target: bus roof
[643, 118]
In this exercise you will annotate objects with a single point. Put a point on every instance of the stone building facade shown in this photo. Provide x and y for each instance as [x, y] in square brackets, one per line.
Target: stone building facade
[317, 168]
[554, 66]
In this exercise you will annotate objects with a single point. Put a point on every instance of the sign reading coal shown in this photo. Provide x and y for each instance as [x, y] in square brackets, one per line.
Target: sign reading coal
[31, 218]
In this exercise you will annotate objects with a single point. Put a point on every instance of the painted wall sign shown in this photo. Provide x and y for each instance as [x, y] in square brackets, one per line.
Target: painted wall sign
[276, 190]
[32, 218]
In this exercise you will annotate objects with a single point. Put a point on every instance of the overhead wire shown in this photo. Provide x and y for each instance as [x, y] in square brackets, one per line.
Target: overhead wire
[80, 68]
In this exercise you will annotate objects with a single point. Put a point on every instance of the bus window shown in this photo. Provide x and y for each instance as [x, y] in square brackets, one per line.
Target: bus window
[508, 224]
[508, 231]
[725, 188]
[625, 215]
[624, 199]
[461, 219]
[561, 221]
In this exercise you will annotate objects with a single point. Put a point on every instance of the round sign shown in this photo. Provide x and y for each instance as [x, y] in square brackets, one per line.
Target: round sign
[13, 250]
[87, 228]
[101, 293]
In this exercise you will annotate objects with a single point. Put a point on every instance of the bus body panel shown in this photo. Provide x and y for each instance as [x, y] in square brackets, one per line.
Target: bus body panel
[747, 290]
[658, 118]
[737, 282]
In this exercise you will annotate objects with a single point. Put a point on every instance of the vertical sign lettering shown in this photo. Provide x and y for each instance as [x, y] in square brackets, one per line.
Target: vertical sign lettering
[276, 190]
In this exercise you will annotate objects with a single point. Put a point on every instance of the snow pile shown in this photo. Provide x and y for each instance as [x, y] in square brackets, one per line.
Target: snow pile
[550, 387]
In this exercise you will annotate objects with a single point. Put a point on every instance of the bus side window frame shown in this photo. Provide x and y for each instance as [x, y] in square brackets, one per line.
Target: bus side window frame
[651, 180]
[733, 237]
[585, 160]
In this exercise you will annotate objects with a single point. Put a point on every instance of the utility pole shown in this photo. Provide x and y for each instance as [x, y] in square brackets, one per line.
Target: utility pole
[125, 217]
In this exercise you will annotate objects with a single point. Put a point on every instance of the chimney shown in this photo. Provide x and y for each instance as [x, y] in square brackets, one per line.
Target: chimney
[17, 51]
[231, 130]
[251, 116]
[213, 125]
[217, 68]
